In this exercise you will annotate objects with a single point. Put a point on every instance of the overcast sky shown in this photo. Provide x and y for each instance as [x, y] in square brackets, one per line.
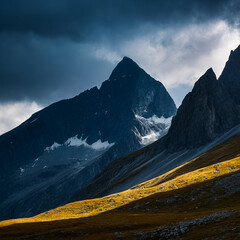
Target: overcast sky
[50, 50]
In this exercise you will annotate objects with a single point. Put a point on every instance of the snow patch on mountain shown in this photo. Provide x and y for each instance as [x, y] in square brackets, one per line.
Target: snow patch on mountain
[77, 142]
[54, 146]
[98, 145]
[152, 128]
[152, 137]
[155, 120]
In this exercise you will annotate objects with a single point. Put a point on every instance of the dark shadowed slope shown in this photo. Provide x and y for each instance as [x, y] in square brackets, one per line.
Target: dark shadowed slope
[189, 202]
[63, 147]
[206, 112]
[230, 75]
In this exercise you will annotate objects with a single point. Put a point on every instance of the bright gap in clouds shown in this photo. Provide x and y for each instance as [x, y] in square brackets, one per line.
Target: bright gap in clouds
[179, 57]
[13, 114]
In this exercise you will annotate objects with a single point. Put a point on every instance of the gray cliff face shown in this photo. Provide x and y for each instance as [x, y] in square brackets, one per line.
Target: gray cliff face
[206, 112]
[63, 147]
[231, 74]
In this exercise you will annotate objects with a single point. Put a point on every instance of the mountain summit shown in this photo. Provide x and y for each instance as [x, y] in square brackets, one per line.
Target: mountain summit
[125, 67]
[63, 147]
[230, 75]
[206, 112]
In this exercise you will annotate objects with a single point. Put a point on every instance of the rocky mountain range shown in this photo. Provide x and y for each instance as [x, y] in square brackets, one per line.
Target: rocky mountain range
[213, 106]
[208, 115]
[197, 200]
[63, 147]
[87, 149]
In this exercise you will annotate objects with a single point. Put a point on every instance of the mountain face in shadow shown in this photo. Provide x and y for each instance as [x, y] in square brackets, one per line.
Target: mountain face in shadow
[230, 75]
[63, 147]
[69, 144]
[206, 112]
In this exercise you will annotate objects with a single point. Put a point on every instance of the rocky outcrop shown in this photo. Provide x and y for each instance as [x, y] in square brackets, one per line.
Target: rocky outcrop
[206, 112]
[230, 76]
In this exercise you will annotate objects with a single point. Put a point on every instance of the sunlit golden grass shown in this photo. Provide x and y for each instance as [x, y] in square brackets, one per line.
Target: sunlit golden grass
[127, 219]
[222, 152]
[93, 207]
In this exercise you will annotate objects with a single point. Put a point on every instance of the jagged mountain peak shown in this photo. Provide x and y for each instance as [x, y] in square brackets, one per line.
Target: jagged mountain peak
[235, 53]
[211, 108]
[79, 137]
[206, 80]
[127, 59]
[230, 75]
[126, 68]
[205, 112]
[210, 73]
[206, 83]
[134, 89]
[233, 57]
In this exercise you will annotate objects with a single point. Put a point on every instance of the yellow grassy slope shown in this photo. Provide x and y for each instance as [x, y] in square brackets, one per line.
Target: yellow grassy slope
[178, 180]
[116, 211]
[220, 153]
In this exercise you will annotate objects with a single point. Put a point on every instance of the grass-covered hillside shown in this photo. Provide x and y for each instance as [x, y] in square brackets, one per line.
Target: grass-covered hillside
[198, 200]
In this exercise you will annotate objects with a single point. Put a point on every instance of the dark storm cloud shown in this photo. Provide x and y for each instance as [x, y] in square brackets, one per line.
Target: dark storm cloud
[46, 46]
[86, 19]
[45, 70]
